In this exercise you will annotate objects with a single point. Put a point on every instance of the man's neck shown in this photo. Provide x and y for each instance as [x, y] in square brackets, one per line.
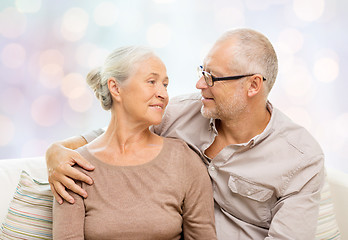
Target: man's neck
[250, 124]
[236, 131]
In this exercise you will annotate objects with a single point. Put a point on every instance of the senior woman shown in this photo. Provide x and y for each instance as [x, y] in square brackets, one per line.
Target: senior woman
[145, 186]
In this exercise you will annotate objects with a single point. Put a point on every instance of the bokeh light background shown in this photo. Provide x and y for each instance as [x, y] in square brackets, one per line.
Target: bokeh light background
[48, 47]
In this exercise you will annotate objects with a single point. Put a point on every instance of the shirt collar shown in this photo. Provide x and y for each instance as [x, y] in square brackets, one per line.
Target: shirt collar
[267, 131]
[212, 126]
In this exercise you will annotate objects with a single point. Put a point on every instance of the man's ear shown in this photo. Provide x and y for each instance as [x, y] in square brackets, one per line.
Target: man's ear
[255, 85]
[114, 88]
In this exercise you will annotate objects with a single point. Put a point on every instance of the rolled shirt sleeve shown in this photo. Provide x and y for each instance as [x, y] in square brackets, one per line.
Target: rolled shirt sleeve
[90, 136]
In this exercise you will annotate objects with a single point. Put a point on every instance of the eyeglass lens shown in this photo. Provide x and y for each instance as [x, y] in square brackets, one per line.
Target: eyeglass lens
[207, 77]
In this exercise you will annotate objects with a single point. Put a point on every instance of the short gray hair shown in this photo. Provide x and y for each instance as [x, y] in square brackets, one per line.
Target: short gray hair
[253, 53]
[119, 65]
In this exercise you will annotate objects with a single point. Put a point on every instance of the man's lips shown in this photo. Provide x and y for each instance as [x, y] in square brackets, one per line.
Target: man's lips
[205, 98]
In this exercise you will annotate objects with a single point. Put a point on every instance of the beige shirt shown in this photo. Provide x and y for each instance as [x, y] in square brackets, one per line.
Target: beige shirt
[166, 198]
[267, 188]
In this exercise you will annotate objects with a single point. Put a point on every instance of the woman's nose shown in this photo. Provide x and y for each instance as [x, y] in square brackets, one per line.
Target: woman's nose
[162, 92]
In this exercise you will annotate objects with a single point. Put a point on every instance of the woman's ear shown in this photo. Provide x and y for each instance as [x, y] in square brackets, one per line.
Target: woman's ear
[255, 85]
[114, 88]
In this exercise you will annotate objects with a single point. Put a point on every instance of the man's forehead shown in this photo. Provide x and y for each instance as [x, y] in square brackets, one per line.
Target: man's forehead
[217, 61]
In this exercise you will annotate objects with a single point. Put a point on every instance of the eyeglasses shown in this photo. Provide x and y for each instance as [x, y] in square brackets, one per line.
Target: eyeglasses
[210, 79]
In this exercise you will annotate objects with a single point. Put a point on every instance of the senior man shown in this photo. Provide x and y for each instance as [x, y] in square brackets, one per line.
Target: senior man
[266, 170]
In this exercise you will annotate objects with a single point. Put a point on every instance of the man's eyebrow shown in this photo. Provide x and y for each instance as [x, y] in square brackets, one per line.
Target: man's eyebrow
[212, 72]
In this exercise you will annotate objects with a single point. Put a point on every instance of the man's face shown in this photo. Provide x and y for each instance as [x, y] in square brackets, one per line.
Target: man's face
[225, 100]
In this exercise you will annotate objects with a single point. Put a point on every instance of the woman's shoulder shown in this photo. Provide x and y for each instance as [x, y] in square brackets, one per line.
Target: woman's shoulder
[176, 144]
[181, 151]
[84, 152]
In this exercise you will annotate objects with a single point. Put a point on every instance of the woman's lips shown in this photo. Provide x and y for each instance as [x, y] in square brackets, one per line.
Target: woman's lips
[157, 106]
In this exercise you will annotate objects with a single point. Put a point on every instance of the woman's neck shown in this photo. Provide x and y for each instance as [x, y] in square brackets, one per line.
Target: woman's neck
[125, 143]
[124, 134]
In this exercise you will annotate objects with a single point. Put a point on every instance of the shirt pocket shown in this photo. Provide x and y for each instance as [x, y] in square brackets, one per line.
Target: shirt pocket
[253, 200]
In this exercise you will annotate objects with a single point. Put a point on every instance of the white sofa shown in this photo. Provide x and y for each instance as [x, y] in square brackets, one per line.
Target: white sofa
[10, 170]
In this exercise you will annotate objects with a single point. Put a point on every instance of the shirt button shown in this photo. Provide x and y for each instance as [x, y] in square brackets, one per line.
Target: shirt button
[248, 193]
[212, 168]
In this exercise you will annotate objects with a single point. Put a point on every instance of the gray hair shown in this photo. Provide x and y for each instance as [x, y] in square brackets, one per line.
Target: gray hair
[119, 65]
[253, 53]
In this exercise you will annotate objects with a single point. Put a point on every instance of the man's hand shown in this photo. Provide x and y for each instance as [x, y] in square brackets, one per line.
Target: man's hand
[61, 175]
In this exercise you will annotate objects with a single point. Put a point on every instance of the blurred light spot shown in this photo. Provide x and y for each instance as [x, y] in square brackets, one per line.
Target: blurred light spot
[73, 85]
[46, 110]
[12, 23]
[82, 103]
[75, 20]
[74, 24]
[326, 69]
[309, 10]
[298, 82]
[105, 14]
[51, 56]
[13, 55]
[31, 6]
[300, 116]
[34, 148]
[11, 100]
[7, 130]
[51, 75]
[292, 38]
[228, 16]
[159, 35]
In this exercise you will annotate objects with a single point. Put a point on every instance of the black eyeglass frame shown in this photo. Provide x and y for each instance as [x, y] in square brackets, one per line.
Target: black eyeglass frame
[216, 79]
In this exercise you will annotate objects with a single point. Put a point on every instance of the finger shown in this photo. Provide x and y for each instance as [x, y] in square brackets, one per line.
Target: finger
[76, 189]
[76, 174]
[71, 185]
[82, 162]
[55, 194]
[60, 189]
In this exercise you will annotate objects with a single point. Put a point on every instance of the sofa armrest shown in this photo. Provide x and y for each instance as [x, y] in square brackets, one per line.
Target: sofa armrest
[338, 181]
[10, 170]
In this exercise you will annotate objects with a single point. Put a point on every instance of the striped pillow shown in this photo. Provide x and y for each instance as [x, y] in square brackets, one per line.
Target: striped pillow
[30, 212]
[327, 227]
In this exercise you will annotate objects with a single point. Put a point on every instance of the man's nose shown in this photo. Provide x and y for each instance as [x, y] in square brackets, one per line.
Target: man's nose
[201, 84]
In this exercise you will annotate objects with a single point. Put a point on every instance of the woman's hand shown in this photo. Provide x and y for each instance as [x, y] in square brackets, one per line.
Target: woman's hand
[60, 160]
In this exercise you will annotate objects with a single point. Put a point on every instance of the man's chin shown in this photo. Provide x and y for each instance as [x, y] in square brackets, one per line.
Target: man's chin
[208, 113]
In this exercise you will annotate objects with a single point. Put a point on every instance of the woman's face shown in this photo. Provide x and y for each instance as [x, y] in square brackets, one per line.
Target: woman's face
[144, 95]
